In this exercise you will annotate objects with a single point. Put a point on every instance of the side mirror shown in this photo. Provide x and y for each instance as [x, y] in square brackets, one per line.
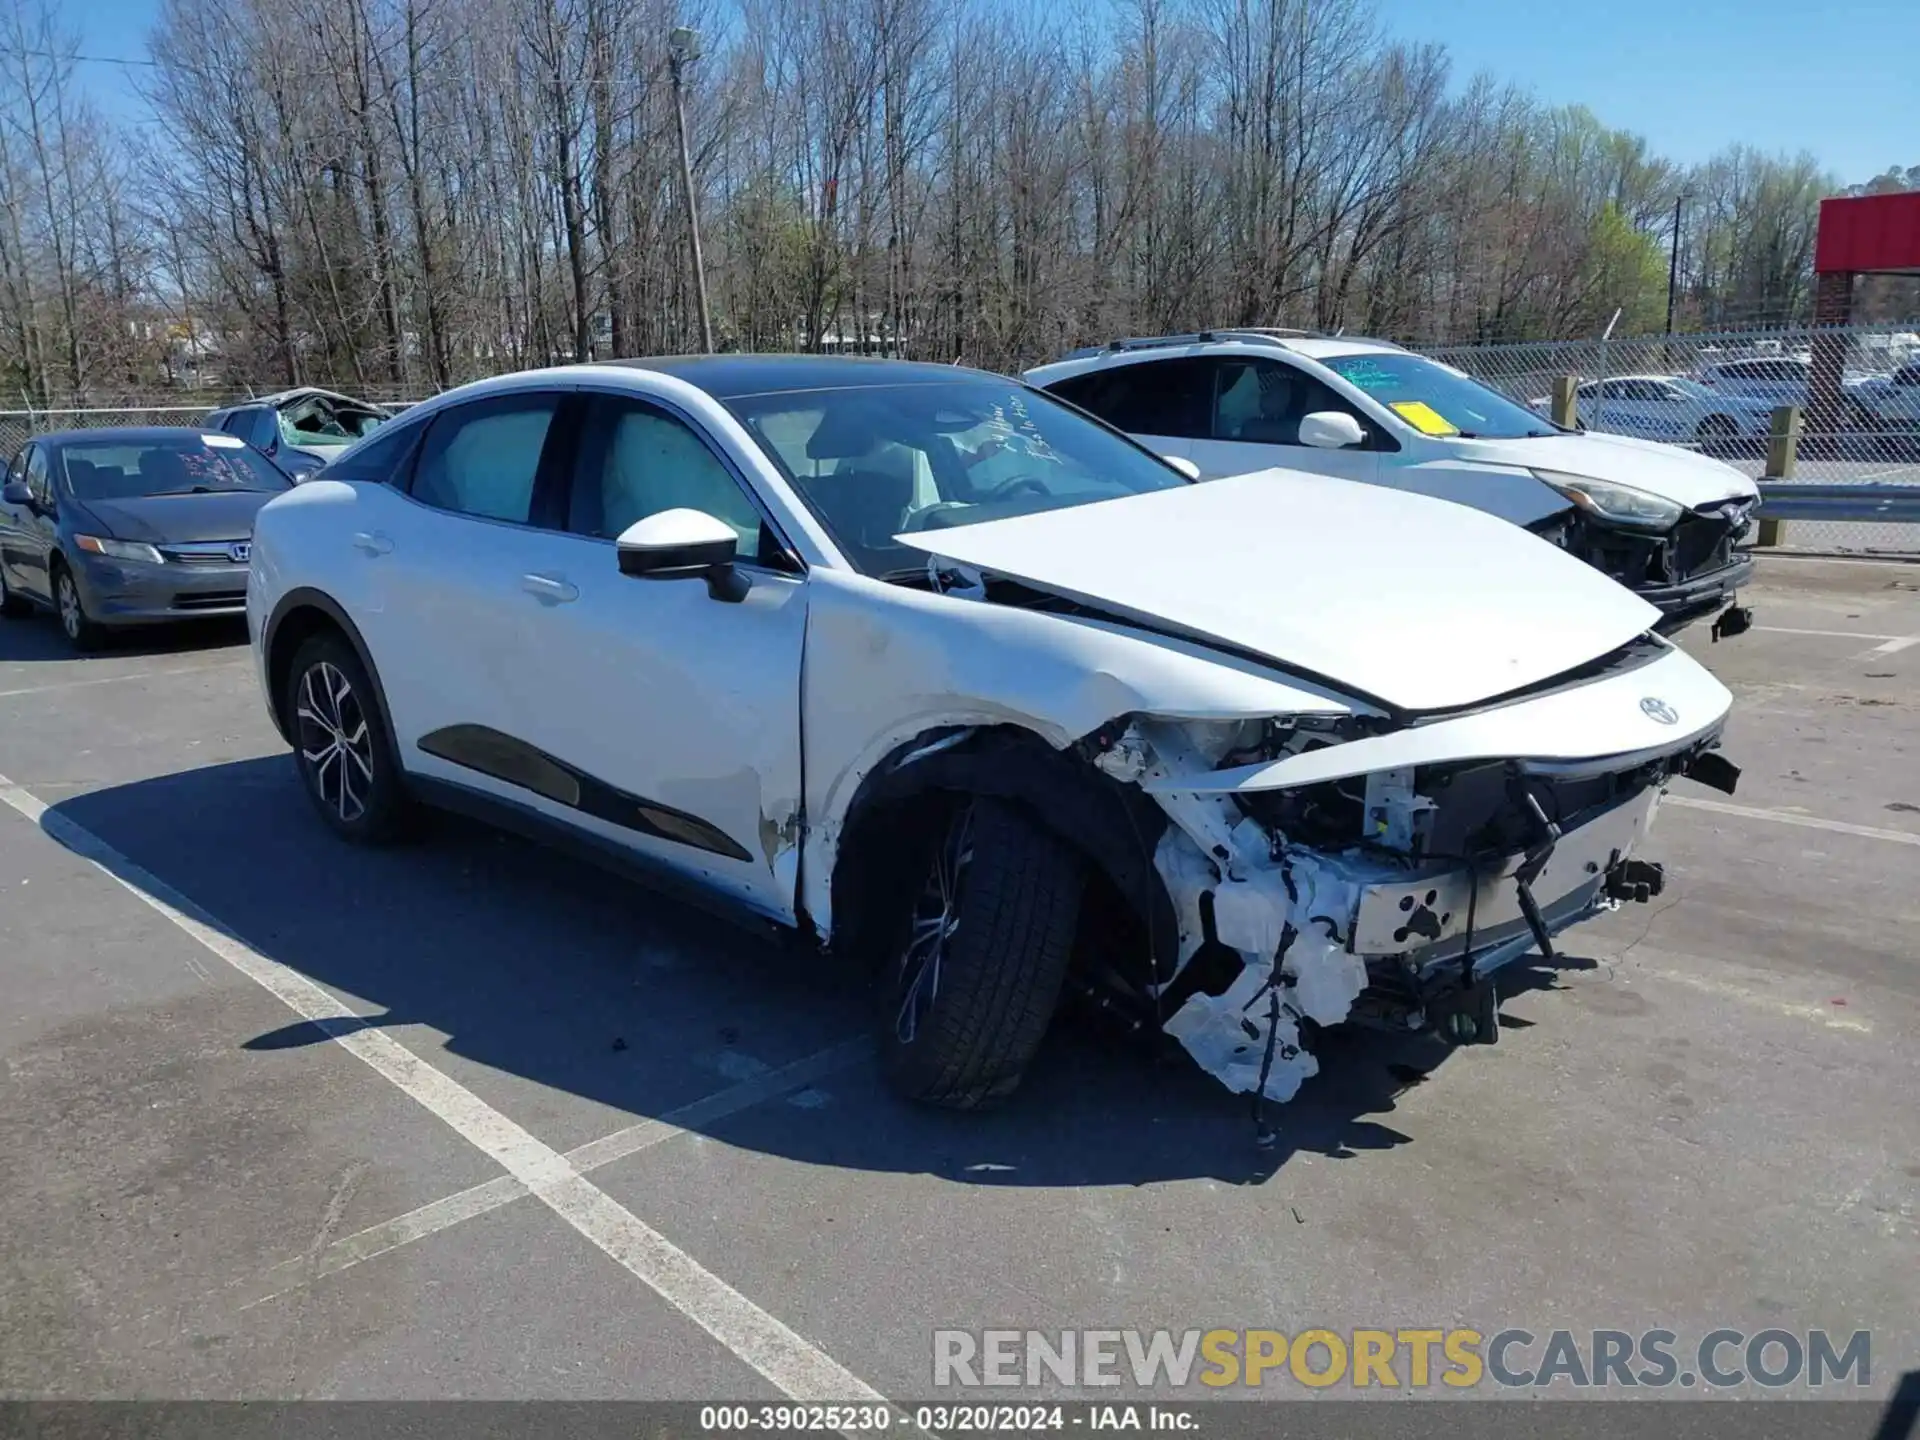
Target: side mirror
[680, 544]
[17, 493]
[1331, 430]
[1185, 466]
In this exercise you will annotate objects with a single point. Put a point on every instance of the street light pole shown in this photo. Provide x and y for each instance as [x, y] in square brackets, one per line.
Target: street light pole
[683, 48]
[1673, 260]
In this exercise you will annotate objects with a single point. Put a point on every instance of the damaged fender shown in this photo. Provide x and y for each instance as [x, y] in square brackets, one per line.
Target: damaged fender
[888, 666]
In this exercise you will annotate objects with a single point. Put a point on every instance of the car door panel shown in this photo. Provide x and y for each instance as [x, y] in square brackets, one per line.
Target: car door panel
[681, 711]
[437, 567]
[13, 528]
[40, 526]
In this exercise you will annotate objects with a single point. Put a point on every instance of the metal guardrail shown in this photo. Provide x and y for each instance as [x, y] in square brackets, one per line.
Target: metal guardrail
[1856, 503]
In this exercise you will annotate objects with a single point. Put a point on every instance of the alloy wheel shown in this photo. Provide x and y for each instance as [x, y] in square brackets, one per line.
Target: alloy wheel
[72, 619]
[936, 917]
[335, 744]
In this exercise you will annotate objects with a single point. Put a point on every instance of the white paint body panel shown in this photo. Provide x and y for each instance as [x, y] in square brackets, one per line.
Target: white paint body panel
[1423, 604]
[1604, 718]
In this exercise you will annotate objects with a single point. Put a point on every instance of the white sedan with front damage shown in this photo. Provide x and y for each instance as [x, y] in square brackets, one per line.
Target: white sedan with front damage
[920, 664]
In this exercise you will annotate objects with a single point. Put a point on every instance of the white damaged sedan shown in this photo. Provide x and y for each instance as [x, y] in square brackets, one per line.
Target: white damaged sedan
[918, 663]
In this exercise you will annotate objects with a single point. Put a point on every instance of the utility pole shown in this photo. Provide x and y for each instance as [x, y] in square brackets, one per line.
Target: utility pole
[1673, 260]
[683, 48]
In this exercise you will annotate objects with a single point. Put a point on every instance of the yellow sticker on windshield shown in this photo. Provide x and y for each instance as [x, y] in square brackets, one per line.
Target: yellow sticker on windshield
[1424, 418]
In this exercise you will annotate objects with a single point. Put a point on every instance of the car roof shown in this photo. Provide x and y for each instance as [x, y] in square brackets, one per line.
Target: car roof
[729, 377]
[124, 435]
[1224, 342]
[298, 392]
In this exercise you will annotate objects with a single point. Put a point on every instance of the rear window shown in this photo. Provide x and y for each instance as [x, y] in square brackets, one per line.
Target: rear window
[1149, 397]
[128, 469]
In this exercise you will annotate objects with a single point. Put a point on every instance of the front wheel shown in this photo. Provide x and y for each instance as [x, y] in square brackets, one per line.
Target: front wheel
[83, 632]
[972, 984]
[340, 743]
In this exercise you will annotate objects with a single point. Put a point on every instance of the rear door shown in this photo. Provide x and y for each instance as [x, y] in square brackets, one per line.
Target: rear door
[1164, 404]
[436, 569]
[1255, 406]
[39, 523]
[14, 527]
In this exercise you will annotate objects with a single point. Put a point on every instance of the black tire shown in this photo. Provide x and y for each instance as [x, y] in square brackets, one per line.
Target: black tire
[13, 606]
[342, 749]
[83, 632]
[962, 1012]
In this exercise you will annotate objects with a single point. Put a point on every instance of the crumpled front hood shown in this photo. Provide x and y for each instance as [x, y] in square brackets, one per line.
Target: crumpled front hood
[1683, 476]
[1420, 603]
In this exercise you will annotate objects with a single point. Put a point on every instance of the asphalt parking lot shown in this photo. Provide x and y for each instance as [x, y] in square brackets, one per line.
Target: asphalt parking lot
[1702, 1116]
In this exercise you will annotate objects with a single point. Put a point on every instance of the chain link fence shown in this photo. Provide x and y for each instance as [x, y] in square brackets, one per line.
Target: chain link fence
[1711, 392]
[1717, 393]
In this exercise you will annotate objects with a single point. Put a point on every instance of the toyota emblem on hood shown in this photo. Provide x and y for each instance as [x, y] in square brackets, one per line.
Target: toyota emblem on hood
[1656, 708]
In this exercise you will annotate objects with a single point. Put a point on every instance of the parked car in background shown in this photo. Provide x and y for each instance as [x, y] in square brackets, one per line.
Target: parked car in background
[1667, 407]
[135, 526]
[1889, 405]
[1664, 522]
[299, 430]
[920, 663]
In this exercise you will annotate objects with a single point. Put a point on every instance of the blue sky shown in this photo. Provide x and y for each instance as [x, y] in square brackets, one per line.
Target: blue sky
[1840, 79]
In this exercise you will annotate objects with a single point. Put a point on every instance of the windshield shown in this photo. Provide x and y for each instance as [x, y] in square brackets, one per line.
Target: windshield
[317, 422]
[874, 461]
[1435, 400]
[1689, 387]
[127, 470]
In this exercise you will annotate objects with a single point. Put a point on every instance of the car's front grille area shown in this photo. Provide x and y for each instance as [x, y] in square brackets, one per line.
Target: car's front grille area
[1701, 544]
[210, 600]
[207, 552]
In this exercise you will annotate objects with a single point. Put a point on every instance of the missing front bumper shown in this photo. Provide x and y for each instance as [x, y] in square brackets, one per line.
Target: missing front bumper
[1427, 919]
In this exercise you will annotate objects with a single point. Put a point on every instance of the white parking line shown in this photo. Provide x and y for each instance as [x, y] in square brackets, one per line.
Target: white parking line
[1788, 817]
[1746, 995]
[1835, 634]
[493, 1194]
[1895, 645]
[782, 1356]
[114, 679]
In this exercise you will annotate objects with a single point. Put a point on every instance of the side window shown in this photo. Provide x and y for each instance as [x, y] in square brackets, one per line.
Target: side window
[259, 428]
[481, 459]
[382, 460]
[1149, 397]
[637, 461]
[38, 481]
[1264, 401]
[17, 469]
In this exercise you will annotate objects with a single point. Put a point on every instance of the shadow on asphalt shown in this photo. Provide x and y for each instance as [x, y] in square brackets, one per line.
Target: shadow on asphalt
[37, 639]
[536, 965]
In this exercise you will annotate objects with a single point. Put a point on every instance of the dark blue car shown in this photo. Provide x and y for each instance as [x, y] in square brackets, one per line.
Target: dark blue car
[135, 526]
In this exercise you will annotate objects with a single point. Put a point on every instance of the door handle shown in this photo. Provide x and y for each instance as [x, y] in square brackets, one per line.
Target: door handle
[372, 543]
[550, 588]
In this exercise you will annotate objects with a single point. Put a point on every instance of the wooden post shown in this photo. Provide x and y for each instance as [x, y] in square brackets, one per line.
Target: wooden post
[1566, 410]
[1783, 448]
